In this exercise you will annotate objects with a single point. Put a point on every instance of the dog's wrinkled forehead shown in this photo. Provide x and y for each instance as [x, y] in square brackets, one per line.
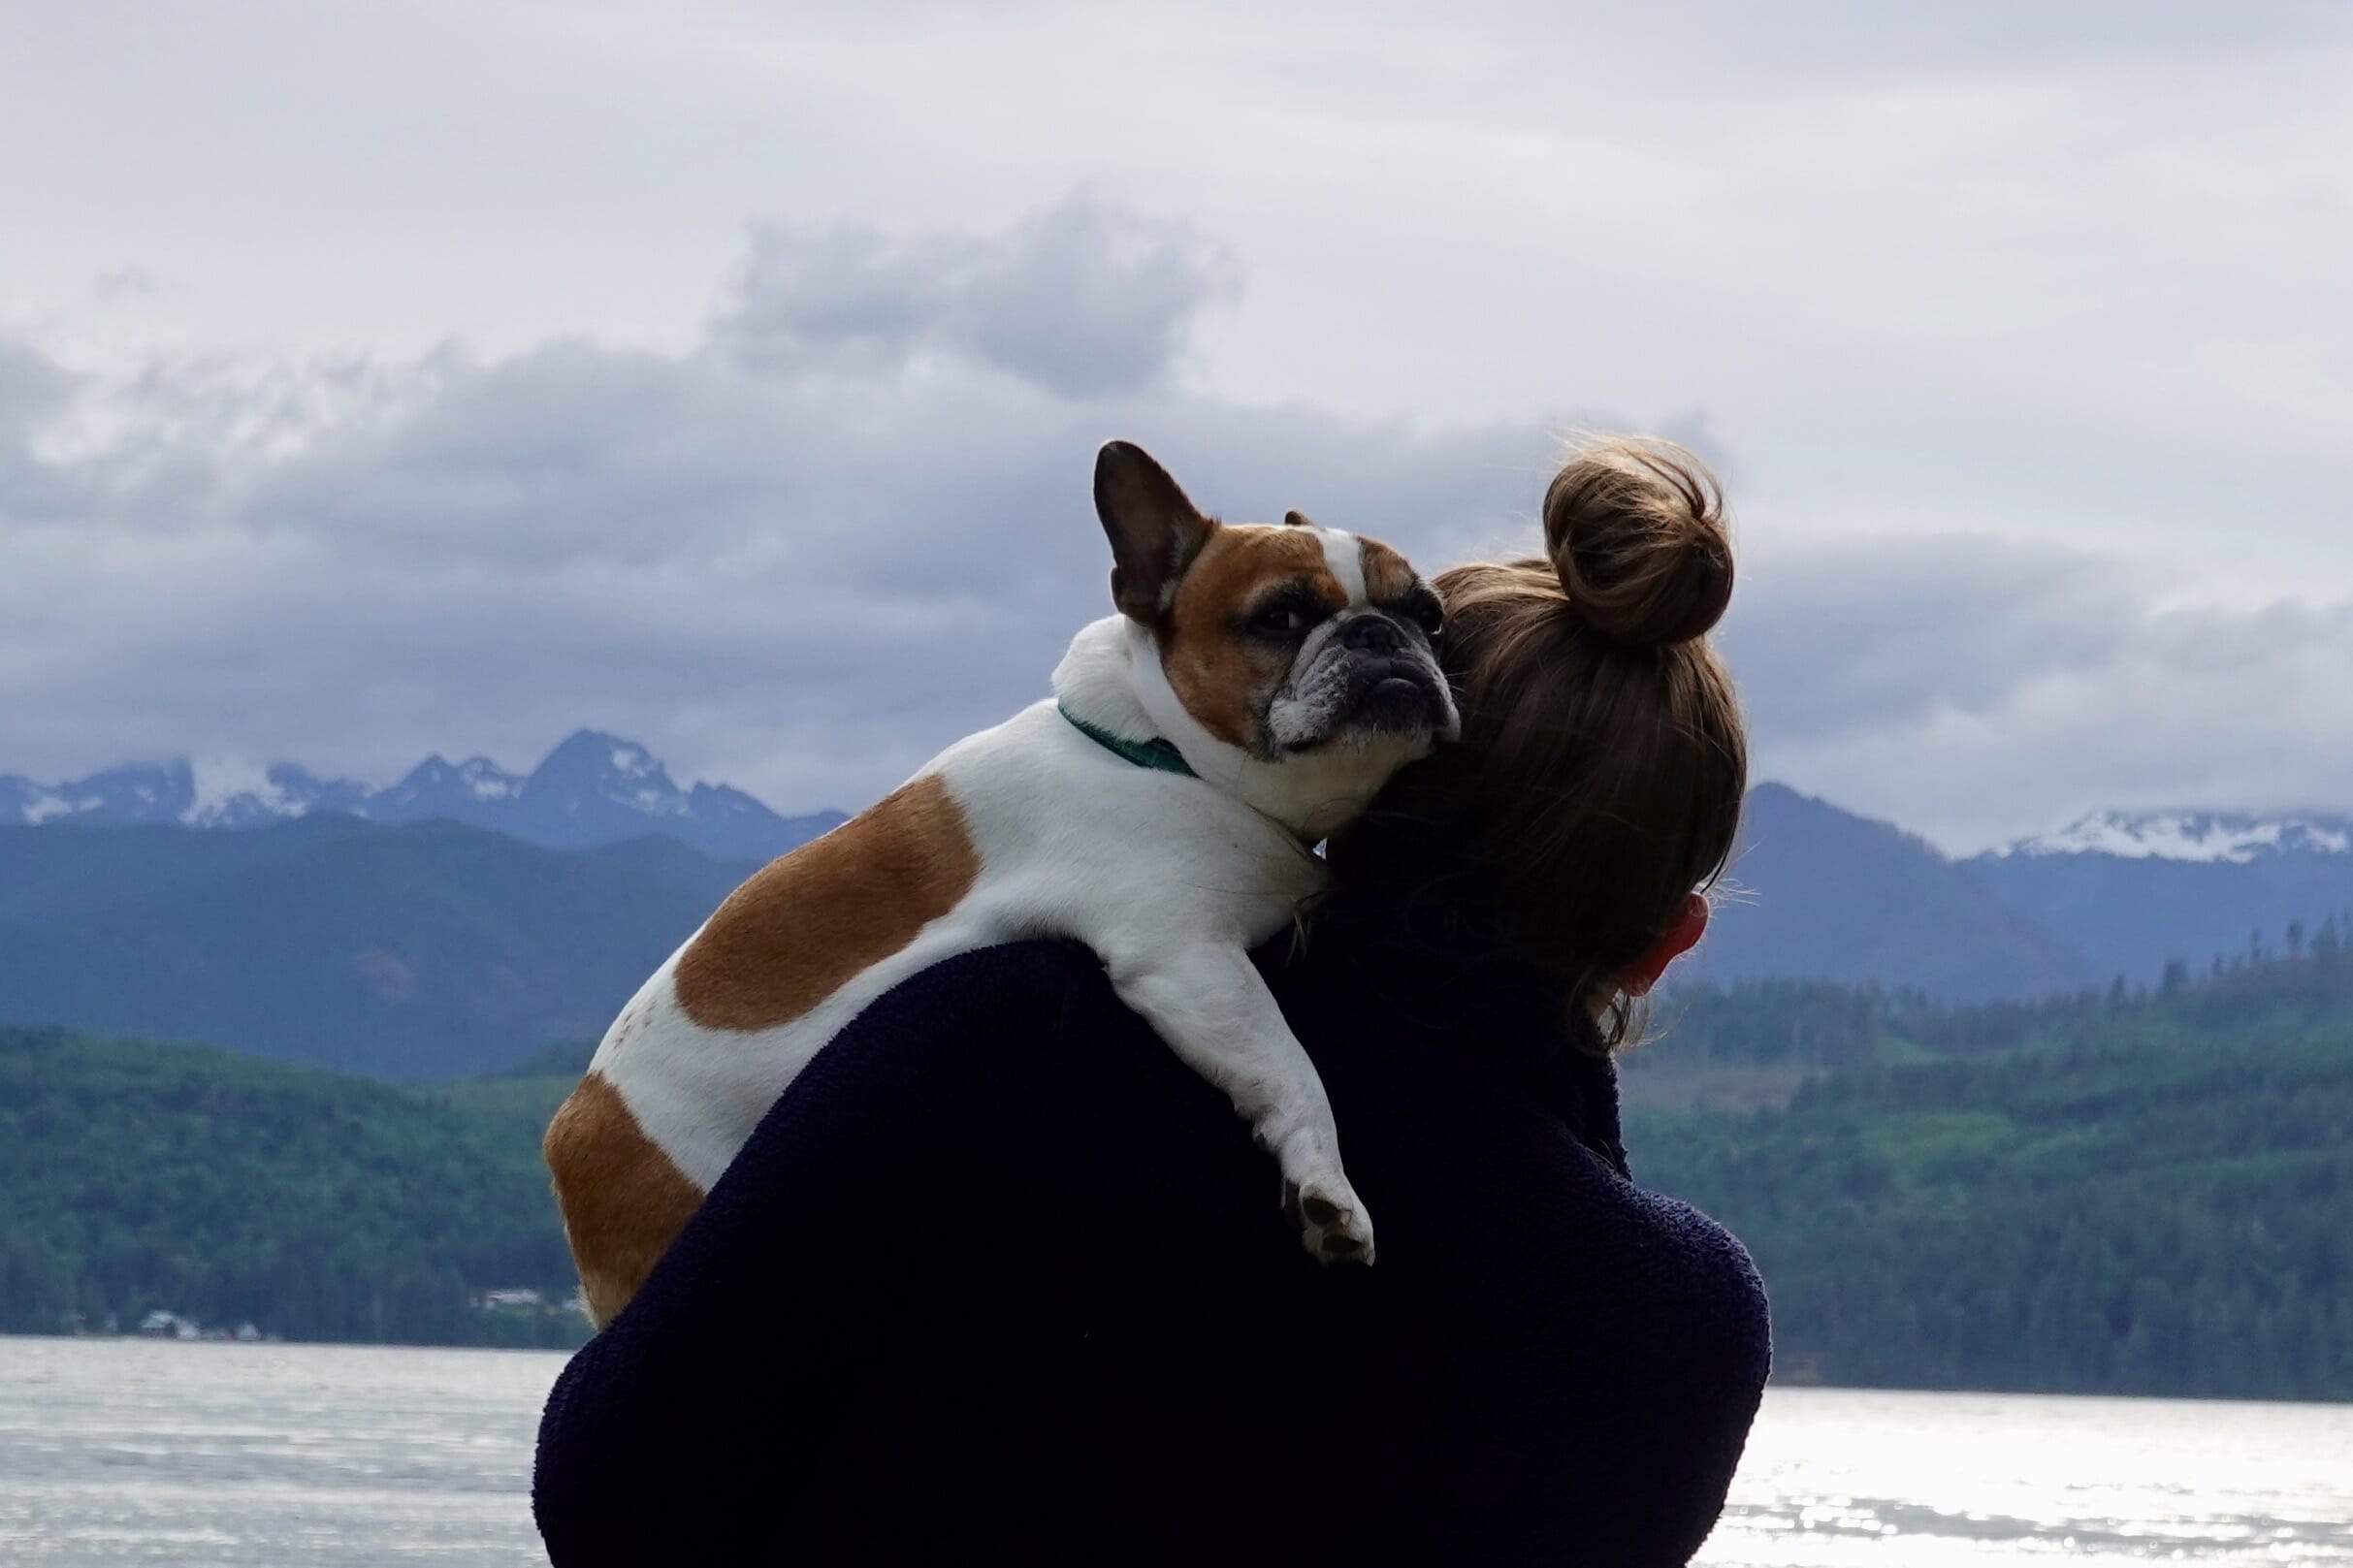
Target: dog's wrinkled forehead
[1245, 562]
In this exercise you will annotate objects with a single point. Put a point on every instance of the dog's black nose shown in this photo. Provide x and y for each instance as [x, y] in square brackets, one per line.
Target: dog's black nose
[1371, 634]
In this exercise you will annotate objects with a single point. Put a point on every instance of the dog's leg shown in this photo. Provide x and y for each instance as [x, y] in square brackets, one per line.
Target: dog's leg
[1213, 1008]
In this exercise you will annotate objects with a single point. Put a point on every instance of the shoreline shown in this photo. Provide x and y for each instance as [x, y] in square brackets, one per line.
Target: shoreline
[1777, 1387]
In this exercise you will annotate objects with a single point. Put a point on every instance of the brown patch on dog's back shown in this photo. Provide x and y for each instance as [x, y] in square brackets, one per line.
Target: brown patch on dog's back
[1388, 575]
[806, 922]
[1219, 676]
[624, 1200]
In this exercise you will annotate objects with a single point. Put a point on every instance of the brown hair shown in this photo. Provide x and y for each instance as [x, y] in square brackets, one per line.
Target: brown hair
[1602, 761]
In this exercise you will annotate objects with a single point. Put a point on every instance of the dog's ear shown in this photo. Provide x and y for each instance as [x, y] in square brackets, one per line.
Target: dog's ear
[1155, 531]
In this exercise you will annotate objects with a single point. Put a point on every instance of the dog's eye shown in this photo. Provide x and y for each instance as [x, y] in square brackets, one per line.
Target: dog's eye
[1283, 620]
[1425, 612]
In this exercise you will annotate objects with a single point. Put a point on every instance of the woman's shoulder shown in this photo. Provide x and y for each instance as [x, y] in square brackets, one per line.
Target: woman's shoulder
[1477, 1137]
[988, 1006]
[1471, 1115]
[996, 1055]
[1014, 978]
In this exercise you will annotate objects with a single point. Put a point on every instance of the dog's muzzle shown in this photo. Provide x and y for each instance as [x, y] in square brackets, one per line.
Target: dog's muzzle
[1369, 677]
[1393, 685]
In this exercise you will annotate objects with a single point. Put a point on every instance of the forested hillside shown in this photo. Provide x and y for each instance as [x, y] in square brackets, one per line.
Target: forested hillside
[138, 1177]
[2122, 1192]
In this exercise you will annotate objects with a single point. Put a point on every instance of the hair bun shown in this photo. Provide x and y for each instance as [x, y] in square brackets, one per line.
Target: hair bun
[1636, 530]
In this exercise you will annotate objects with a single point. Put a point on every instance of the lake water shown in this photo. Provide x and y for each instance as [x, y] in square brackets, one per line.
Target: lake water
[119, 1452]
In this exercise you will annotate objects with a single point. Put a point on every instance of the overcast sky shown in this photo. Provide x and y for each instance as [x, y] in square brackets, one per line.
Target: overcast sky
[445, 378]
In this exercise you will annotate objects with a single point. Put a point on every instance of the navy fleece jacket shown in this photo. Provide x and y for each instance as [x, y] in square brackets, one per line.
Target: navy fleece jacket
[1000, 1276]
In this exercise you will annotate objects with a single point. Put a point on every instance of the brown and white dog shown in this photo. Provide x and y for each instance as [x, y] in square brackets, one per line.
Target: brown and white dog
[1259, 684]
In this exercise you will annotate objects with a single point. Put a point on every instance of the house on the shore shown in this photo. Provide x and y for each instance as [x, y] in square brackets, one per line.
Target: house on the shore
[495, 1300]
[162, 1324]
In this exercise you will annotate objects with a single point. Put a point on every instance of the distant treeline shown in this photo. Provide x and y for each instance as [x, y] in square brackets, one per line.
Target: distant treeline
[2145, 1192]
[2128, 1191]
[140, 1177]
[2305, 980]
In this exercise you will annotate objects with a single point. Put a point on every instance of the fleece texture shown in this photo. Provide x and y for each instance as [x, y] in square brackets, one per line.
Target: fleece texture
[999, 1277]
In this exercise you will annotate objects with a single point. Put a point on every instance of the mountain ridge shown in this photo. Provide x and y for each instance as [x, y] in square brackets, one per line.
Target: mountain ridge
[591, 768]
[414, 950]
[592, 789]
[1815, 891]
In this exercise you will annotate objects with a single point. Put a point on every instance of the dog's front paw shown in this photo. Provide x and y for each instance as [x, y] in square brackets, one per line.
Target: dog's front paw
[1333, 1224]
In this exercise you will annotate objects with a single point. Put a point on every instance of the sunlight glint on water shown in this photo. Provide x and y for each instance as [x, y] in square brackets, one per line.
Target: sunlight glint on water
[120, 1452]
[1836, 1476]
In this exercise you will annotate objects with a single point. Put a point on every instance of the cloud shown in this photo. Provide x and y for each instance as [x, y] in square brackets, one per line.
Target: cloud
[1085, 298]
[1866, 633]
[2051, 270]
[852, 522]
[32, 390]
[1976, 689]
[850, 526]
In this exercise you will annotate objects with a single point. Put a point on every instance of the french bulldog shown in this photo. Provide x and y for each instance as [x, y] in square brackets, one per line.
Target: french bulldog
[1259, 684]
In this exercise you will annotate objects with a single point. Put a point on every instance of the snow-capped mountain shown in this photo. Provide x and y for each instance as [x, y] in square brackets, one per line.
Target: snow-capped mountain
[435, 780]
[2203, 836]
[197, 794]
[592, 790]
[2133, 889]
